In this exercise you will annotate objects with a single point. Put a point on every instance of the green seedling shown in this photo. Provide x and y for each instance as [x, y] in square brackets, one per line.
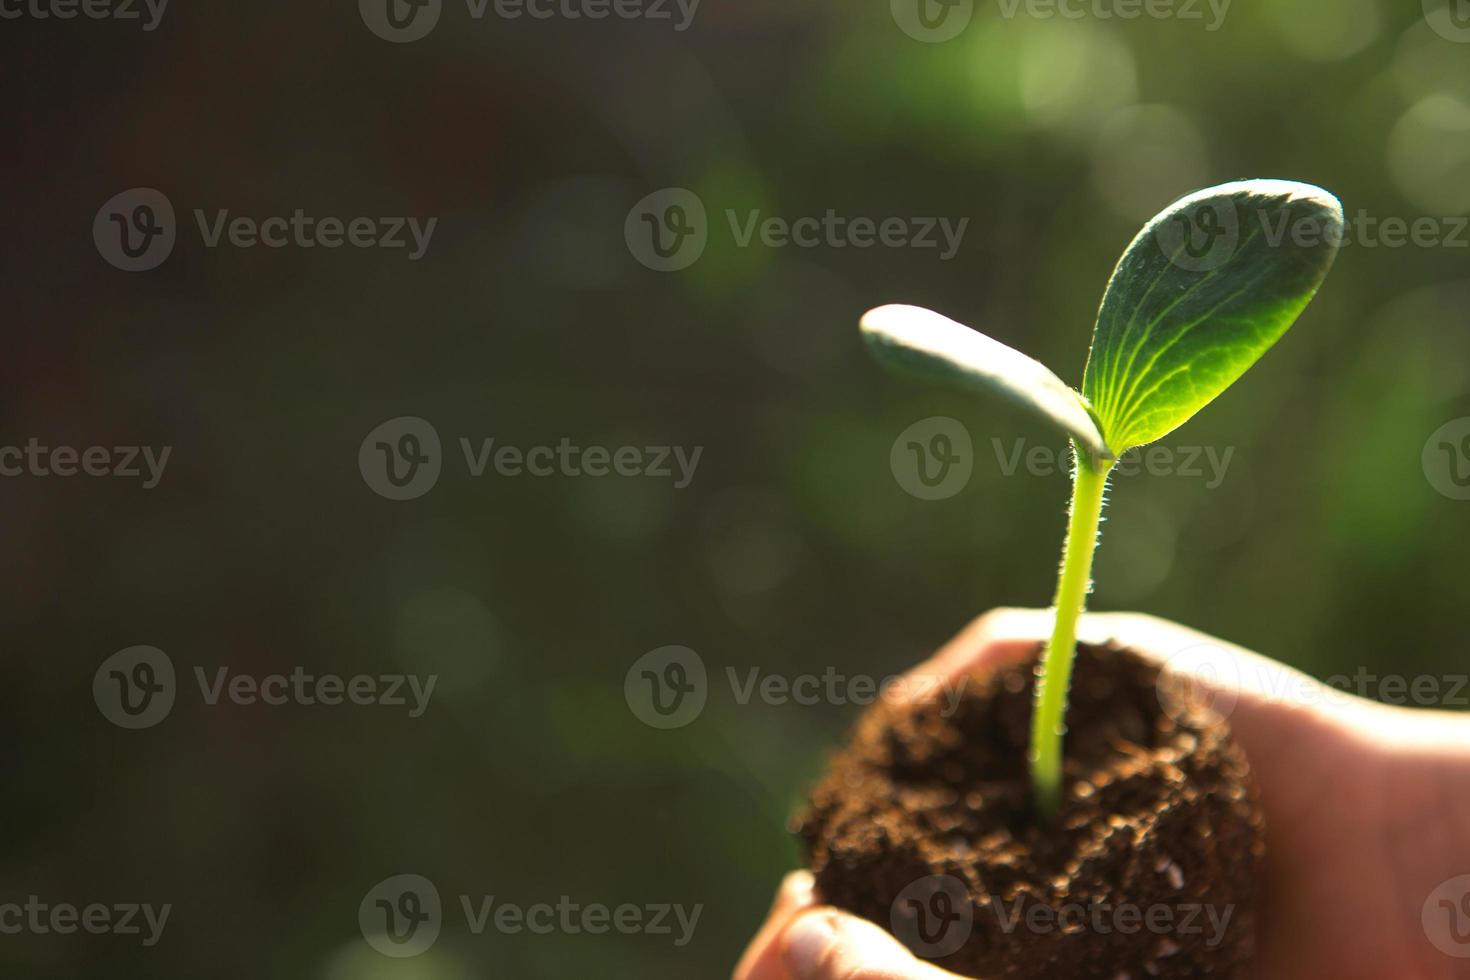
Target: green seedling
[1199, 295]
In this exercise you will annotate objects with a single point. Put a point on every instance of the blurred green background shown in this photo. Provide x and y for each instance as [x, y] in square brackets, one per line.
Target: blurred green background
[793, 549]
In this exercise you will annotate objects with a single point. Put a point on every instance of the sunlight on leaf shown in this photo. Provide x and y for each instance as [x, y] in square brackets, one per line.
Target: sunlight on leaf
[923, 343]
[1203, 291]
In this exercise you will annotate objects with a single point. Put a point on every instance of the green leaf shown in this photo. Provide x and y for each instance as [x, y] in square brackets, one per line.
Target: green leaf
[917, 341]
[1203, 291]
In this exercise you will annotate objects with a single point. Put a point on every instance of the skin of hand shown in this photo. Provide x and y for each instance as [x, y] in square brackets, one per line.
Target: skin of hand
[1367, 812]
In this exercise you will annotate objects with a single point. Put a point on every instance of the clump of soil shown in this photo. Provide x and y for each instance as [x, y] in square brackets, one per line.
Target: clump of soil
[923, 824]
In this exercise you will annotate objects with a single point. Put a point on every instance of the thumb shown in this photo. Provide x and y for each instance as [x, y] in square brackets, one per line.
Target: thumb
[825, 944]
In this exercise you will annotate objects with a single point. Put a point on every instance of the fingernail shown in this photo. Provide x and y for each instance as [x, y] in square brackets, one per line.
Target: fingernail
[798, 886]
[807, 942]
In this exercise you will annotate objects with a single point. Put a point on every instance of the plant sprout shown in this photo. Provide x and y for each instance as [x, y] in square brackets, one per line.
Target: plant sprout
[1199, 295]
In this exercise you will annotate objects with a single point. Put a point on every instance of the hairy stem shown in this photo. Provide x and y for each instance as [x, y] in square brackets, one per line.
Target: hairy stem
[1048, 719]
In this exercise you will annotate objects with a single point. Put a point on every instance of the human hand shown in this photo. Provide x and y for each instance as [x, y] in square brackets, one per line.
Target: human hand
[1366, 809]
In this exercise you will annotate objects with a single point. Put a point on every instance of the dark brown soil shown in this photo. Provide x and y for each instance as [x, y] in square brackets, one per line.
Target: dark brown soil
[923, 825]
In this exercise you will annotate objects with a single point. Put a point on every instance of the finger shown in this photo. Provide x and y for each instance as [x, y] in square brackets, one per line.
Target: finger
[762, 959]
[1243, 673]
[1276, 700]
[825, 944]
[1288, 724]
[999, 636]
[1264, 697]
[1277, 713]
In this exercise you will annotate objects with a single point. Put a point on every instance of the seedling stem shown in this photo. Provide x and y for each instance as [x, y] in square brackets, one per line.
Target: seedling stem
[1074, 581]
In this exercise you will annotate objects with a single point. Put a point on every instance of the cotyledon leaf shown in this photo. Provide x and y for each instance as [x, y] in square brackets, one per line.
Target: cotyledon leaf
[924, 343]
[1201, 293]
